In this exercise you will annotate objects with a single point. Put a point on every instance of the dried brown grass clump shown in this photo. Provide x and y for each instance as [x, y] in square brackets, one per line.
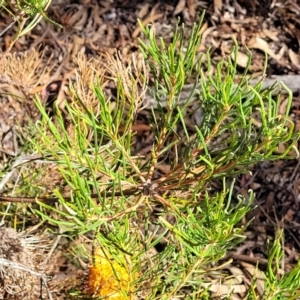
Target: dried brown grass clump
[19, 278]
[22, 76]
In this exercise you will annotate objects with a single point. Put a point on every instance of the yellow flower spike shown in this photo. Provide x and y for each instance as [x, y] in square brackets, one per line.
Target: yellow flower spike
[107, 278]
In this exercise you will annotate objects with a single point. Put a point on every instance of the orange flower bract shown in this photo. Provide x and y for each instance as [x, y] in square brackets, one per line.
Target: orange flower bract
[107, 278]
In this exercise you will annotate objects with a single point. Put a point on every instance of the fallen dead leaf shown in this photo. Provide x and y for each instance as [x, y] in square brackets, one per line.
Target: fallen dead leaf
[294, 58]
[241, 59]
[191, 7]
[258, 43]
[223, 289]
[289, 216]
[179, 7]
[254, 272]
[271, 34]
[143, 11]
[206, 33]
[238, 275]
[217, 6]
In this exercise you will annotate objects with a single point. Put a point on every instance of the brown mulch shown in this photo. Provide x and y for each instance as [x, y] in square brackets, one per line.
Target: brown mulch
[94, 28]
